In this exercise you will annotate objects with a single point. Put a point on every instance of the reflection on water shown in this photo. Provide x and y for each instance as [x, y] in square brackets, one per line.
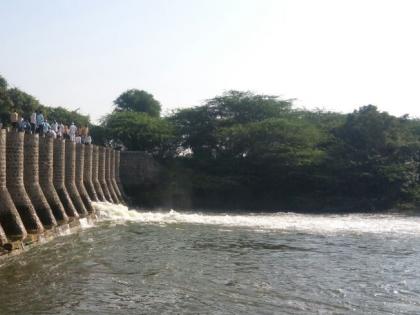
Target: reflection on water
[142, 263]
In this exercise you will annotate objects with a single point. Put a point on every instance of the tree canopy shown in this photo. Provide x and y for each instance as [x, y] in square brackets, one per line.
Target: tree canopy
[138, 101]
[14, 99]
[138, 131]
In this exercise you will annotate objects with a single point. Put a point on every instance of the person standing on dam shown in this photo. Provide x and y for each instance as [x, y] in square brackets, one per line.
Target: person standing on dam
[72, 132]
[25, 126]
[60, 130]
[14, 117]
[54, 126]
[33, 122]
[39, 122]
[46, 127]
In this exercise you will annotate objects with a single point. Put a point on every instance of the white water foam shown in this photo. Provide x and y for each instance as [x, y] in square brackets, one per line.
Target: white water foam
[287, 221]
[85, 223]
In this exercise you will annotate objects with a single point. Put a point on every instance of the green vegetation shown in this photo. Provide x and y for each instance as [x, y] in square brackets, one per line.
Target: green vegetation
[246, 151]
[137, 101]
[13, 99]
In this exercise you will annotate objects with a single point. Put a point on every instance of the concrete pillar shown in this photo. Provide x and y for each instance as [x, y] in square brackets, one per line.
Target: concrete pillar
[31, 181]
[95, 177]
[15, 184]
[80, 167]
[108, 175]
[113, 180]
[9, 216]
[70, 178]
[87, 173]
[117, 175]
[101, 174]
[59, 172]
[46, 170]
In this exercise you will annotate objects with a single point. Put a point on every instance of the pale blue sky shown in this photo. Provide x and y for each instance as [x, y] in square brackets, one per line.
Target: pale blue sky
[333, 54]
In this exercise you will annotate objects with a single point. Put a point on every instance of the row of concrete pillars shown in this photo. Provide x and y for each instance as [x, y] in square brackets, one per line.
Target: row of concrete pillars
[46, 183]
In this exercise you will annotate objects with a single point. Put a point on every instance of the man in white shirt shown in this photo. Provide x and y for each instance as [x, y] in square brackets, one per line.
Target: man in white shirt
[33, 122]
[72, 132]
[54, 127]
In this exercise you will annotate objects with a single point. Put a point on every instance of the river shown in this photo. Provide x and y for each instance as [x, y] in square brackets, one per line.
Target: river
[172, 262]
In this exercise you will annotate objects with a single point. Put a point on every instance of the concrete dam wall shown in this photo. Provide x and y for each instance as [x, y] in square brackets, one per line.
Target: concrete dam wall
[47, 184]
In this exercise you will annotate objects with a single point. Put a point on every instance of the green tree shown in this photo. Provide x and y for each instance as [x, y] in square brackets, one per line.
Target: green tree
[198, 127]
[65, 116]
[139, 131]
[3, 83]
[138, 101]
[376, 157]
[23, 103]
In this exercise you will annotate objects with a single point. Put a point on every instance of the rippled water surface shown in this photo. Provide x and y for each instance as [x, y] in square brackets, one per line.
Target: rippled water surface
[157, 263]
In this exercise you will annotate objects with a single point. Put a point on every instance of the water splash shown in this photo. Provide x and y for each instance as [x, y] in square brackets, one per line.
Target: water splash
[287, 221]
[64, 230]
[85, 223]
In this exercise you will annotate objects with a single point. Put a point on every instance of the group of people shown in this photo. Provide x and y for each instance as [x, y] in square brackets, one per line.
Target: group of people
[37, 123]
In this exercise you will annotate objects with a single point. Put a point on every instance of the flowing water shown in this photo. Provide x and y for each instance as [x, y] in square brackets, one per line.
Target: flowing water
[133, 262]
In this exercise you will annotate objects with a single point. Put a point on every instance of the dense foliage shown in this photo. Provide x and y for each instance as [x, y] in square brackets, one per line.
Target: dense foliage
[242, 150]
[137, 101]
[246, 151]
[13, 99]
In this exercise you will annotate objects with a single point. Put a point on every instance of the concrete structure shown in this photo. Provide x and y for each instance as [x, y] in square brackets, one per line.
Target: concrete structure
[101, 174]
[80, 167]
[113, 180]
[31, 181]
[87, 173]
[95, 170]
[9, 216]
[117, 175]
[70, 179]
[108, 175]
[46, 167]
[15, 184]
[59, 172]
[46, 182]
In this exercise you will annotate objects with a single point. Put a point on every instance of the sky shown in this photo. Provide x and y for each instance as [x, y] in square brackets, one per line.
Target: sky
[329, 54]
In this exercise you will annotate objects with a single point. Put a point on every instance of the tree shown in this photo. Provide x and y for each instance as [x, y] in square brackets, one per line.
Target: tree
[198, 127]
[65, 116]
[139, 131]
[376, 157]
[3, 83]
[138, 101]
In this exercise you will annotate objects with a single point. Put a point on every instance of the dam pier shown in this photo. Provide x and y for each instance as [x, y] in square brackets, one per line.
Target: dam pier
[47, 185]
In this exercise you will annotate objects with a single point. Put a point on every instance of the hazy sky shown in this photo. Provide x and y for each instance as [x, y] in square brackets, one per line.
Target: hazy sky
[333, 54]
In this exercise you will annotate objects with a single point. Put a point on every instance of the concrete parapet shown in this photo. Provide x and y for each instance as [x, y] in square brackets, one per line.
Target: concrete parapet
[87, 173]
[46, 170]
[95, 177]
[101, 174]
[70, 177]
[9, 217]
[59, 174]
[31, 181]
[15, 184]
[80, 166]
[108, 175]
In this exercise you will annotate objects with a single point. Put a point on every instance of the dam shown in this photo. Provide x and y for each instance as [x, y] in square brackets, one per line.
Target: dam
[47, 185]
